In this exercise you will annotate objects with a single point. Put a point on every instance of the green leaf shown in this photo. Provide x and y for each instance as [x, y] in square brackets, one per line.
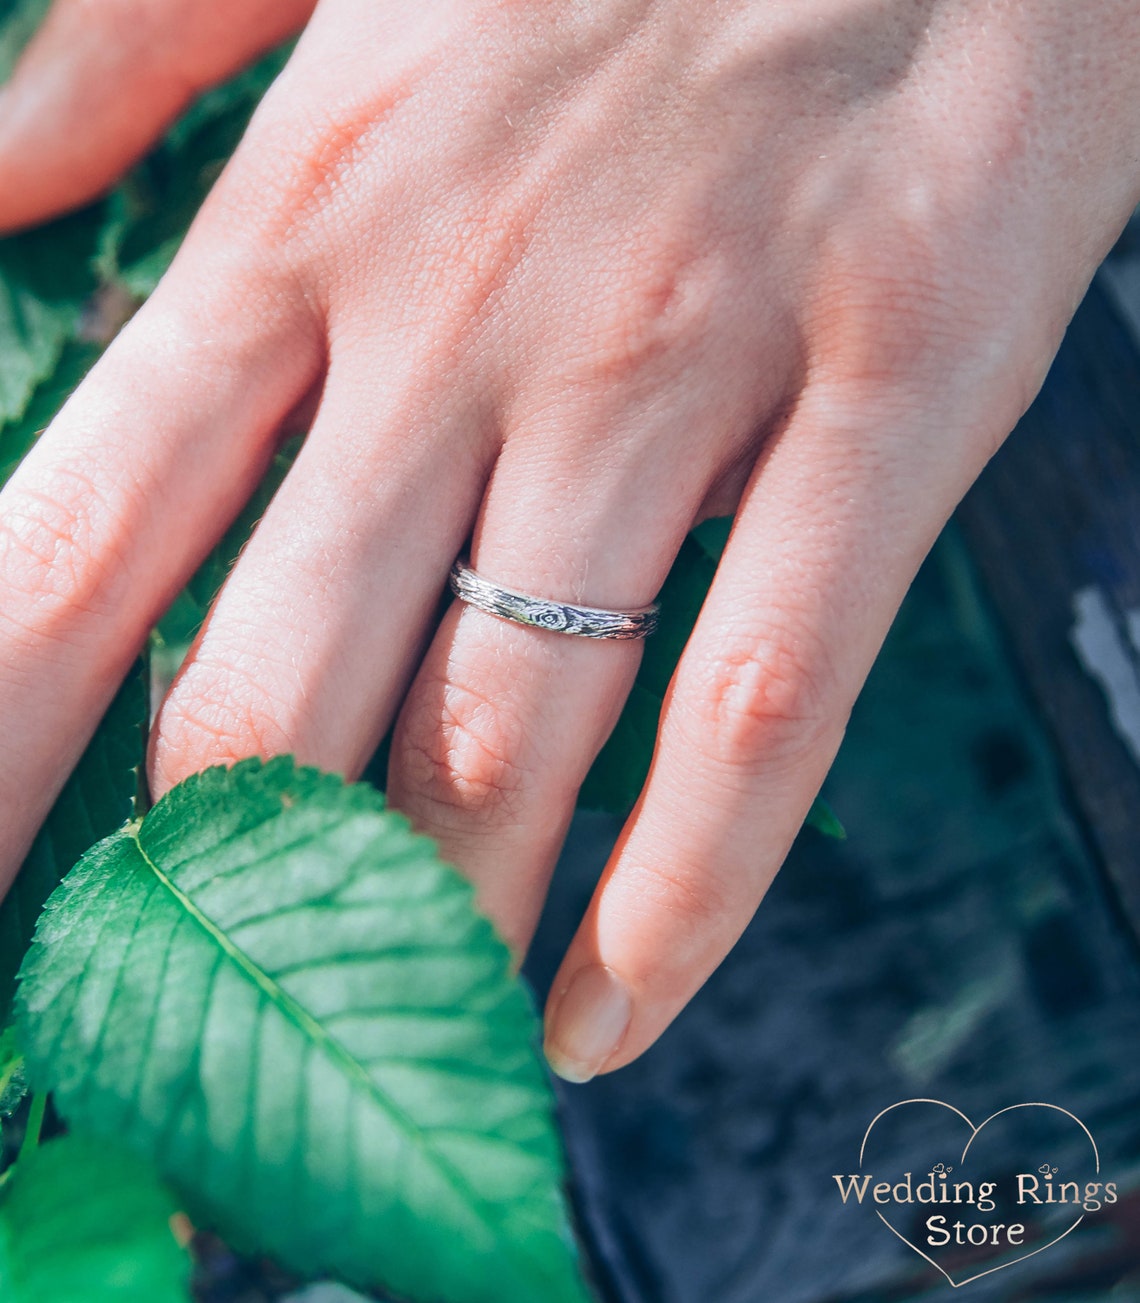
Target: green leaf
[97, 799]
[45, 280]
[622, 766]
[38, 314]
[83, 1220]
[712, 536]
[823, 819]
[273, 987]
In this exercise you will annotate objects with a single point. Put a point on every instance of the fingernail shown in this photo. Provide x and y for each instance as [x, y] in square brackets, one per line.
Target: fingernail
[589, 1023]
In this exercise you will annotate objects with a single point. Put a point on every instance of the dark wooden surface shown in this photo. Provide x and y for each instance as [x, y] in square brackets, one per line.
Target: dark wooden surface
[1057, 514]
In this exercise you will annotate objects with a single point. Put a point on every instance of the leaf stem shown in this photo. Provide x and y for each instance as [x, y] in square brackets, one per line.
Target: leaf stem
[34, 1123]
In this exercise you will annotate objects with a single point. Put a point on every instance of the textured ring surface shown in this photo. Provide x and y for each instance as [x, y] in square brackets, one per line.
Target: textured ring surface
[541, 613]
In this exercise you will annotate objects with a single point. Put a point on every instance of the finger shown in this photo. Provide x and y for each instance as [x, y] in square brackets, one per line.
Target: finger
[113, 508]
[311, 642]
[503, 721]
[100, 82]
[835, 522]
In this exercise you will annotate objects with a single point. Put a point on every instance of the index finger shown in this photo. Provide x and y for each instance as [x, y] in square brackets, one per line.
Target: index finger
[113, 508]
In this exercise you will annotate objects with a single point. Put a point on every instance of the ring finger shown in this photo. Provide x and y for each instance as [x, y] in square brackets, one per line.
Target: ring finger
[503, 720]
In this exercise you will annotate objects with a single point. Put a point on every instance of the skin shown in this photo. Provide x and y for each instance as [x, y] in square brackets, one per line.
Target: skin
[564, 279]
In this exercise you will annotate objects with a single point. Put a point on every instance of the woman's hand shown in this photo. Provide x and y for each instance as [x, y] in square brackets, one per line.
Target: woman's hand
[570, 277]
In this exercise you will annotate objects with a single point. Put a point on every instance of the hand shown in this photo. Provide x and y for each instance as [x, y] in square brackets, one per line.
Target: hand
[571, 278]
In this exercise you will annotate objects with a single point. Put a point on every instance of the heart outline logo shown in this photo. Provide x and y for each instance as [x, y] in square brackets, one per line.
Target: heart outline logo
[974, 1130]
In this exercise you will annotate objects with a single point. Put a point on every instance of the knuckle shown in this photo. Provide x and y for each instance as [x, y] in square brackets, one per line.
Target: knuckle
[63, 553]
[898, 303]
[700, 912]
[299, 159]
[771, 704]
[661, 305]
[459, 752]
[696, 902]
[880, 328]
[918, 337]
[214, 718]
[217, 308]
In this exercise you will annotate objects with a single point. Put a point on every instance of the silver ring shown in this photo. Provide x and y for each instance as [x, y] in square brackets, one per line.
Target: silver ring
[540, 613]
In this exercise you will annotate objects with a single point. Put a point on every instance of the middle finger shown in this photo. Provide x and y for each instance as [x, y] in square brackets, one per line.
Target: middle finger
[310, 644]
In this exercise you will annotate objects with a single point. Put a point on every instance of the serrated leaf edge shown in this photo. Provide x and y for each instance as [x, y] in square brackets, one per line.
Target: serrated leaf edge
[320, 1036]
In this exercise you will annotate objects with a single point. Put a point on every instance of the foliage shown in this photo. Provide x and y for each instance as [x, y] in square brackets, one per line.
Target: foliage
[18, 434]
[44, 281]
[273, 971]
[84, 1219]
[97, 798]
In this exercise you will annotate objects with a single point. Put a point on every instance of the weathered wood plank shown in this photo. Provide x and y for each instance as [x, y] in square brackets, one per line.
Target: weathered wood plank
[1054, 526]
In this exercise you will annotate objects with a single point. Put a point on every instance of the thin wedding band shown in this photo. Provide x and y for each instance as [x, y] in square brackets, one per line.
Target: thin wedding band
[541, 613]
